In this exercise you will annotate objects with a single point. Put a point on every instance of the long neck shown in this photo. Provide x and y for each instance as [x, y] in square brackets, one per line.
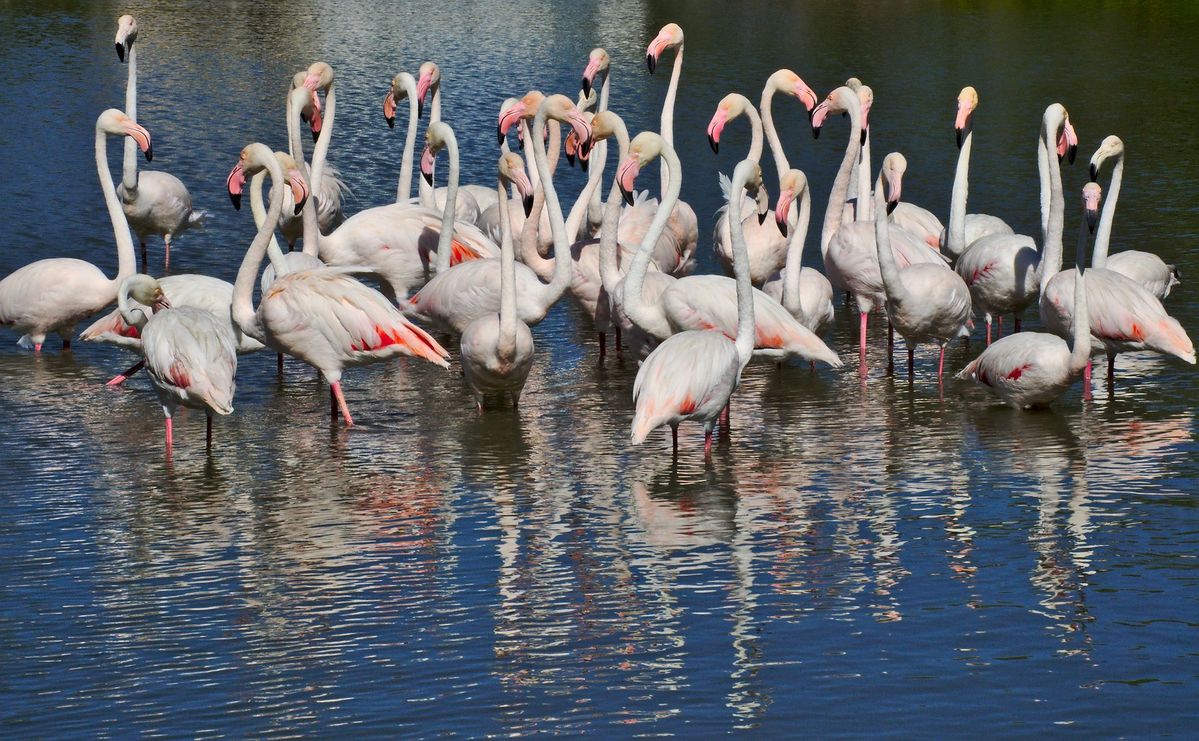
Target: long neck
[1080, 352]
[133, 315]
[404, 188]
[896, 290]
[425, 189]
[772, 135]
[129, 169]
[447, 214]
[603, 99]
[609, 245]
[1051, 243]
[126, 260]
[562, 262]
[638, 311]
[595, 175]
[506, 346]
[836, 199]
[755, 137]
[1104, 234]
[1043, 157]
[863, 210]
[530, 236]
[243, 288]
[956, 236]
[321, 151]
[666, 127]
[312, 230]
[791, 274]
[745, 298]
[258, 208]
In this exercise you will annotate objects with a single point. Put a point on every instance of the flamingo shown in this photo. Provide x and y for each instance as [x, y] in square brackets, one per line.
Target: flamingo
[693, 374]
[316, 78]
[456, 297]
[805, 293]
[702, 301]
[497, 349]
[190, 353]
[925, 301]
[55, 294]
[1145, 268]
[850, 257]
[965, 229]
[466, 209]
[1004, 271]
[1028, 370]
[154, 202]
[323, 317]
[683, 223]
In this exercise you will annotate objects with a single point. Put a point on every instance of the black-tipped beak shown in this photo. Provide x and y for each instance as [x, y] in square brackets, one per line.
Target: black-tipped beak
[121, 52]
[584, 164]
[815, 132]
[651, 62]
[958, 132]
[428, 176]
[150, 153]
[570, 158]
[528, 204]
[865, 133]
[1094, 173]
[303, 116]
[715, 145]
[499, 136]
[1071, 153]
[236, 198]
[299, 207]
[628, 197]
[1092, 217]
[891, 206]
[782, 225]
[420, 108]
[316, 135]
[586, 88]
[391, 121]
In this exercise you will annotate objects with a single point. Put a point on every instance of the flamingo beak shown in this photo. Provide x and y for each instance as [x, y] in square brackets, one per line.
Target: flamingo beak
[299, 189]
[142, 137]
[656, 47]
[570, 145]
[507, 118]
[782, 208]
[1071, 141]
[626, 176]
[422, 88]
[120, 52]
[234, 185]
[1090, 201]
[1093, 171]
[894, 184]
[715, 127]
[525, 188]
[865, 124]
[961, 122]
[819, 113]
[581, 128]
[589, 76]
[161, 301]
[426, 165]
[763, 200]
[389, 110]
[806, 95]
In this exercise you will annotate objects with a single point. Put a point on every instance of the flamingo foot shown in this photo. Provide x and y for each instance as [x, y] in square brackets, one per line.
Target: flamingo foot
[341, 403]
[130, 371]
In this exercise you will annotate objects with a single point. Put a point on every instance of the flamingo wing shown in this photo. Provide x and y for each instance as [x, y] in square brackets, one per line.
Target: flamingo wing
[690, 375]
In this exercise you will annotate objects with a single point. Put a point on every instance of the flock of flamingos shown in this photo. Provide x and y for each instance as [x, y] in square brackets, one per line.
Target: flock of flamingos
[448, 259]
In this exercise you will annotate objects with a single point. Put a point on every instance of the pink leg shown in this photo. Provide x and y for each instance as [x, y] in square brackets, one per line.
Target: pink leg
[941, 365]
[999, 326]
[862, 337]
[341, 404]
[707, 443]
[170, 438]
[988, 332]
[37, 348]
[1086, 381]
[1016, 321]
[166, 260]
[121, 378]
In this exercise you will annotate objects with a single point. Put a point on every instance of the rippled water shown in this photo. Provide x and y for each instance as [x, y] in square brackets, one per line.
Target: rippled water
[861, 555]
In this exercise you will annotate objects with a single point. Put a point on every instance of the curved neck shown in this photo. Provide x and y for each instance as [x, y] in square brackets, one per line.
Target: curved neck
[595, 175]
[321, 151]
[955, 240]
[126, 260]
[666, 127]
[755, 139]
[404, 187]
[258, 207]
[129, 168]
[836, 199]
[638, 311]
[896, 290]
[772, 135]
[1051, 242]
[506, 345]
[609, 257]
[530, 236]
[863, 205]
[243, 288]
[425, 189]
[446, 237]
[1104, 233]
[603, 99]
[134, 316]
[745, 299]
[562, 263]
[795, 255]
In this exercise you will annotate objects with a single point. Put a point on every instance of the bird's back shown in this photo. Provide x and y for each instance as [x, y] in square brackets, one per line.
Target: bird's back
[191, 355]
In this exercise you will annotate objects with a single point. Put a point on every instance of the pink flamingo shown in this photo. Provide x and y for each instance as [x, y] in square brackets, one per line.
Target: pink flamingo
[190, 353]
[466, 209]
[693, 374]
[55, 294]
[324, 316]
[966, 229]
[805, 293]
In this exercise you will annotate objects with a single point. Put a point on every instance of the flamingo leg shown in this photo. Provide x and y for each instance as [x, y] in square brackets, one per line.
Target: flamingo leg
[674, 438]
[890, 348]
[616, 340]
[999, 326]
[143, 243]
[988, 330]
[279, 363]
[941, 365]
[166, 260]
[208, 432]
[37, 348]
[862, 337]
[1016, 322]
[1111, 371]
[66, 344]
[603, 345]
[707, 442]
[911, 363]
[341, 403]
[170, 438]
[120, 378]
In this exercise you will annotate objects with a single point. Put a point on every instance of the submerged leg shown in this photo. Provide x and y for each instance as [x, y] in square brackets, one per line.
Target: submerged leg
[911, 363]
[170, 437]
[890, 348]
[707, 442]
[208, 432]
[66, 343]
[603, 345]
[674, 438]
[941, 365]
[862, 336]
[341, 403]
[120, 378]
[616, 339]
[1111, 372]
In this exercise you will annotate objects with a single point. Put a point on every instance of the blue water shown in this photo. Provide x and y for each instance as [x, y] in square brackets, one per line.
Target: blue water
[859, 556]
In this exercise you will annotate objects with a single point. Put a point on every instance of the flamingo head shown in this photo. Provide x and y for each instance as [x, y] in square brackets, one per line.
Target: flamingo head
[429, 79]
[838, 101]
[730, 106]
[126, 35]
[1057, 120]
[512, 172]
[561, 109]
[597, 65]
[403, 85]
[670, 36]
[572, 146]
[295, 180]
[525, 109]
[788, 83]
[604, 125]
[894, 166]
[254, 158]
[116, 123]
[792, 184]
[146, 290]
[866, 101]
[1091, 195]
[644, 148]
[967, 102]
[755, 188]
[1112, 146]
[318, 76]
[437, 136]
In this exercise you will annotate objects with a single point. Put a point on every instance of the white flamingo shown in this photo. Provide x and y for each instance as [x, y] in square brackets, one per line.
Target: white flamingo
[1145, 268]
[466, 209]
[497, 349]
[316, 78]
[966, 229]
[1032, 369]
[154, 202]
[190, 353]
[925, 301]
[54, 294]
[693, 374]
[804, 292]
[323, 317]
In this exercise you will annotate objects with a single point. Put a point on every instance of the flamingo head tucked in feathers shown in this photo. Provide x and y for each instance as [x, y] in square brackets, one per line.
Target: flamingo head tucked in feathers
[402, 85]
[512, 172]
[116, 123]
[126, 35]
[670, 36]
[1112, 146]
[791, 185]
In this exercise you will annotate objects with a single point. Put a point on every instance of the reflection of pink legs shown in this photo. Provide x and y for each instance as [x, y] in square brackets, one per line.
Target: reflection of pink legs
[341, 404]
[1086, 381]
[122, 377]
[862, 336]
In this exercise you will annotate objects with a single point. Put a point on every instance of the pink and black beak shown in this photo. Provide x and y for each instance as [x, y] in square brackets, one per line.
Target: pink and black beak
[299, 189]
[426, 164]
[819, 113]
[509, 117]
[389, 110]
[589, 74]
[961, 122]
[894, 182]
[626, 176]
[865, 125]
[120, 52]
[524, 187]
[142, 137]
[161, 302]
[782, 208]
[422, 89]
[1067, 143]
[569, 146]
[235, 184]
[806, 95]
[656, 47]
[1090, 201]
[715, 127]
[311, 82]
[581, 128]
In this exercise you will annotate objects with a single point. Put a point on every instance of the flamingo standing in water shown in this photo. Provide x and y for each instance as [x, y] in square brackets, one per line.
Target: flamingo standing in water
[693, 374]
[925, 301]
[497, 349]
[1145, 268]
[324, 316]
[1031, 369]
[966, 229]
[326, 180]
[54, 294]
[466, 209]
[190, 353]
[154, 202]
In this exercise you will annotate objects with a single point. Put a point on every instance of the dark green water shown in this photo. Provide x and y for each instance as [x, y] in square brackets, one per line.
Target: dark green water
[859, 557]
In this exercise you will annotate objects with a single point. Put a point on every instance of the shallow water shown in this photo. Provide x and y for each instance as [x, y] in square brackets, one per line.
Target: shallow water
[861, 554]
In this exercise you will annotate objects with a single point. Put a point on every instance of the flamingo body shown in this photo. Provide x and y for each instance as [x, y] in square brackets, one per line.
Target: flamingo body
[1147, 269]
[1001, 272]
[852, 260]
[488, 371]
[1026, 370]
[455, 298]
[192, 359]
[815, 297]
[691, 375]
[52, 296]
